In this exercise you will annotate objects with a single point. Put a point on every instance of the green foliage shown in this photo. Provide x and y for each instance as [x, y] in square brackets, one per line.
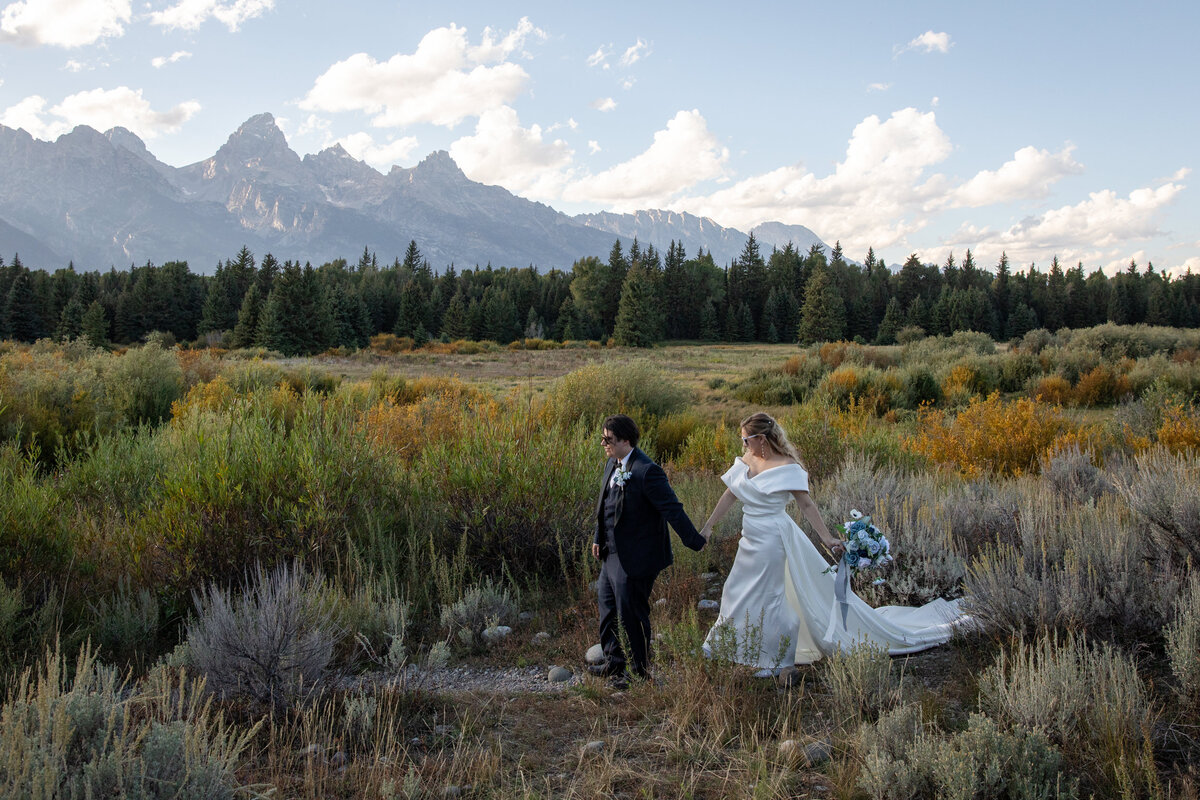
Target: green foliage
[905, 758]
[481, 606]
[35, 540]
[91, 734]
[598, 390]
[1087, 700]
[516, 492]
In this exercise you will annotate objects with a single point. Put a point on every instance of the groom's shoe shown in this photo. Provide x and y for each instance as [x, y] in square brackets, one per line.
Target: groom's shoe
[606, 669]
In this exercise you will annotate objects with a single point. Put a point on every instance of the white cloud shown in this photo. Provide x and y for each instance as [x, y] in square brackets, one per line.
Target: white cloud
[74, 66]
[599, 58]
[501, 152]
[1029, 175]
[628, 83]
[101, 109]
[27, 114]
[191, 14]
[381, 156]
[878, 87]
[604, 104]
[161, 61]
[872, 198]
[445, 81]
[682, 154]
[63, 23]
[593, 147]
[929, 42]
[634, 53]
[1080, 232]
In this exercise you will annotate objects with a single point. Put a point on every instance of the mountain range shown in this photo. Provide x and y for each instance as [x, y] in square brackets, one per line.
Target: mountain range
[103, 199]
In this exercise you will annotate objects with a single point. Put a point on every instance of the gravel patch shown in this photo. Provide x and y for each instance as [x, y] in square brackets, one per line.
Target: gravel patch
[454, 679]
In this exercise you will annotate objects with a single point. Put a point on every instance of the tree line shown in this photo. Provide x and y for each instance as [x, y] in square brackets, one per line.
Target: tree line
[636, 297]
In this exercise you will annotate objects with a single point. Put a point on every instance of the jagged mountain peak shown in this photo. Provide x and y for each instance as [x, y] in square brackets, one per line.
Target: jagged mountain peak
[123, 137]
[438, 162]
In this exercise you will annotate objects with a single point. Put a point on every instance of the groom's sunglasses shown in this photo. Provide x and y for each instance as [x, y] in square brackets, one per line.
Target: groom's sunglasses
[606, 440]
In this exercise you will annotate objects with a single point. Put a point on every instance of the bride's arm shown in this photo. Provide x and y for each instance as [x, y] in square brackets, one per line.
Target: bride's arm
[808, 510]
[723, 506]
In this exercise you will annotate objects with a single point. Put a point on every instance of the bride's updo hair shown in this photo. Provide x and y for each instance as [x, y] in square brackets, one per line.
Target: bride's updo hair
[774, 434]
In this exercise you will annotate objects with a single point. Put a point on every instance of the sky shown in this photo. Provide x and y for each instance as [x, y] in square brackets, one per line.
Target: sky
[1034, 129]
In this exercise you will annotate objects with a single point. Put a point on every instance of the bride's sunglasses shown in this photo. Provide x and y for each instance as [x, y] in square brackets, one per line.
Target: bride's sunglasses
[746, 439]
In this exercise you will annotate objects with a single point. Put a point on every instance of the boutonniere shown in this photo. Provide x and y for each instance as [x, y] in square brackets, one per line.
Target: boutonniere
[621, 475]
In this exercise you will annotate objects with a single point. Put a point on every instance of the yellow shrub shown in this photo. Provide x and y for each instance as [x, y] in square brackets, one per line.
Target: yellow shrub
[956, 388]
[391, 343]
[402, 429]
[835, 353]
[989, 436]
[1180, 429]
[215, 395]
[1053, 389]
[792, 365]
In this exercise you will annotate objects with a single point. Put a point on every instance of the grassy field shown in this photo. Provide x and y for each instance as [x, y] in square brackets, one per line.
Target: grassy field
[225, 573]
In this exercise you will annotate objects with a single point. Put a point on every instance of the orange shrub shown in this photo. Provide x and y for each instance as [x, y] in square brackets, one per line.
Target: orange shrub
[401, 429]
[1096, 388]
[989, 436]
[792, 365]
[1187, 355]
[835, 353]
[1053, 389]
[1180, 429]
[391, 343]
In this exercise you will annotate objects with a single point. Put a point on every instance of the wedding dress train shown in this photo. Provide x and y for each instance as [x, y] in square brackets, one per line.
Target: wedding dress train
[778, 609]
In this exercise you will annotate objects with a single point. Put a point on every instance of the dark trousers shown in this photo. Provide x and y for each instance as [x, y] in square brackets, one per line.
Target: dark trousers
[624, 605]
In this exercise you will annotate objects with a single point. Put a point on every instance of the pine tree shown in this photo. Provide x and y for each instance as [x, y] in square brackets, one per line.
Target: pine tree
[413, 309]
[455, 323]
[1021, 321]
[823, 315]
[70, 324]
[247, 322]
[637, 321]
[890, 325]
[710, 329]
[23, 321]
[94, 325]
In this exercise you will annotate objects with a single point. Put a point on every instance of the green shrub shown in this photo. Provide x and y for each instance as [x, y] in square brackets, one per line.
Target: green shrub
[125, 624]
[1017, 368]
[35, 541]
[143, 383]
[513, 491]
[242, 487]
[671, 434]
[1087, 700]
[91, 734]
[918, 387]
[481, 606]
[1072, 568]
[594, 392]
[1183, 644]
[905, 759]
[863, 682]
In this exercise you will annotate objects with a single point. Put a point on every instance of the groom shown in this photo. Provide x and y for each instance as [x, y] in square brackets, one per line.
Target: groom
[636, 503]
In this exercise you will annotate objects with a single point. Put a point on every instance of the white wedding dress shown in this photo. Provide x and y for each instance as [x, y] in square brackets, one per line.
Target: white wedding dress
[778, 609]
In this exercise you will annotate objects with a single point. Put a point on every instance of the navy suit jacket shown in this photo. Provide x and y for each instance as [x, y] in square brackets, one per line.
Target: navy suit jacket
[647, 503]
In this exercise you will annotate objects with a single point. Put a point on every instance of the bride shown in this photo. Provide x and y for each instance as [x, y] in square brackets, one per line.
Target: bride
[777, 608]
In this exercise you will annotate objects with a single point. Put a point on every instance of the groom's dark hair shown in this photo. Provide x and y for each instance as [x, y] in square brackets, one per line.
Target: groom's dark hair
[623, 428]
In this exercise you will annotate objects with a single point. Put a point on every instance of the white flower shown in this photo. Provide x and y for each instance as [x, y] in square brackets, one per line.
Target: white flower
[621, 475]
[855, 514]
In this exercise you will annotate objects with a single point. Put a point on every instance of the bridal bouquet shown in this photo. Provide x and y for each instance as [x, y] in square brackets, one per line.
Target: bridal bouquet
[866, 546]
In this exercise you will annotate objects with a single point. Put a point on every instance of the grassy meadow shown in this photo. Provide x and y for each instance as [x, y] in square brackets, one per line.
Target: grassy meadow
[225, 573]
